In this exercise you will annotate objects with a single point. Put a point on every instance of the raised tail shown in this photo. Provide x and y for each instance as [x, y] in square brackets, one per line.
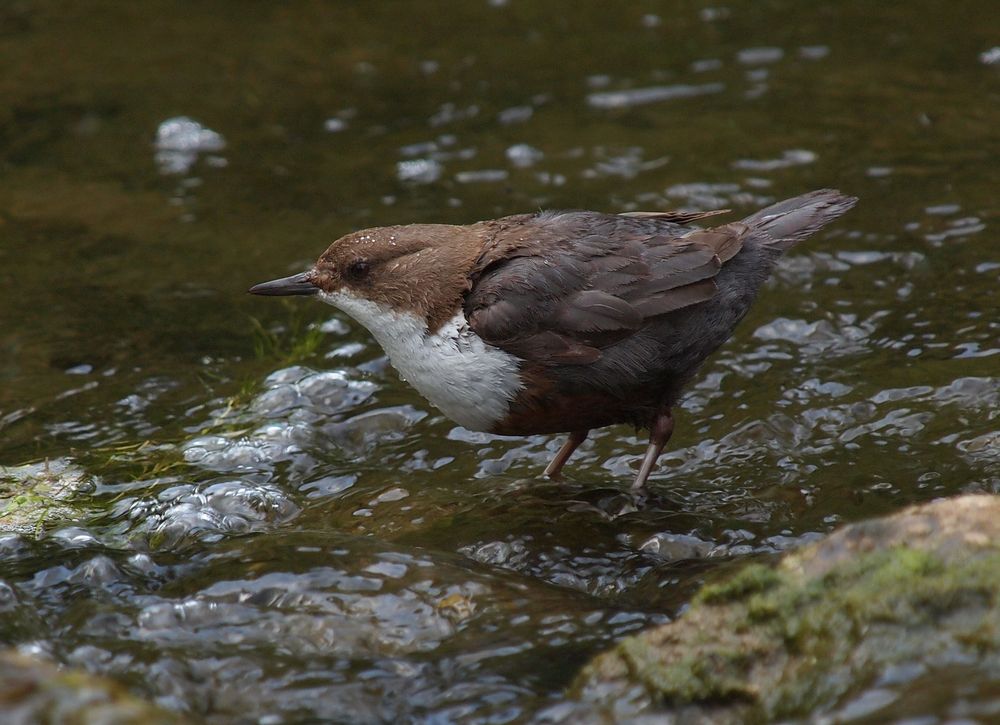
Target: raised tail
[792, 220]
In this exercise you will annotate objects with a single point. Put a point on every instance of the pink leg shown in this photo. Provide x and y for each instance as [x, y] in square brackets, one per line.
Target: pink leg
[571, 444]
[659, 434]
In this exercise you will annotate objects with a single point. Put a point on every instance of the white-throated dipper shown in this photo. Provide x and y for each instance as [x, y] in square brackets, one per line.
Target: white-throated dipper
[558, 321]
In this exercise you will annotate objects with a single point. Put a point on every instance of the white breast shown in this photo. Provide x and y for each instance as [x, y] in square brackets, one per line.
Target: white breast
[468, 380]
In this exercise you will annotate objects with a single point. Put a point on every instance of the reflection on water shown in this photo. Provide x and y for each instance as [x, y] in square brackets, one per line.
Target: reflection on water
[268, 523]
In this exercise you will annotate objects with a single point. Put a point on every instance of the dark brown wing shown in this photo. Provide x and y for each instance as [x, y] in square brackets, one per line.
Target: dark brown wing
[557, 287]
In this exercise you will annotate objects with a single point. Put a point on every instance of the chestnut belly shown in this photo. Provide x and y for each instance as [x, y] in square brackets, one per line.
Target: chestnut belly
[537, 412]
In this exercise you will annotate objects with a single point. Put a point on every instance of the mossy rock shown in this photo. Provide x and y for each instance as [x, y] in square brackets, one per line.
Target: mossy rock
[35, 691]
[36, 496]
[803, 636]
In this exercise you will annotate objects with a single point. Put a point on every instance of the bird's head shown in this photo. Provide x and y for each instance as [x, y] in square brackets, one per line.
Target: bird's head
[421, 269]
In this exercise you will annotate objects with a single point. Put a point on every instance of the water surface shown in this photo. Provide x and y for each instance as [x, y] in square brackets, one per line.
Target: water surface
[269, 524]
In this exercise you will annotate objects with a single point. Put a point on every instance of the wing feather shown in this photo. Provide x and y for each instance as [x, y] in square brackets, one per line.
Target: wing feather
[558, 287]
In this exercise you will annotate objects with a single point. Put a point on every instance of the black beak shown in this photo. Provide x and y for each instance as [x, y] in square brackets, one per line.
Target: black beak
[297, 284]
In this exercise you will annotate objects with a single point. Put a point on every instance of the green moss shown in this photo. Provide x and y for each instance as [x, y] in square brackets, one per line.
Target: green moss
[785, 643]
[693, 677]
[753, 578]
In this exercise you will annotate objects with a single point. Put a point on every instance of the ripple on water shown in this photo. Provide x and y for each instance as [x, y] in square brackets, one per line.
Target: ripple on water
[387, 635]
[523, 155]
[844, 335]
[625, 163]
[180, 141]
[482, 176]
[319, 393]
[191, 512]
[811, 424]
[612, 100]
[515, 114]
[991, 56]
[297, 401]
[760, 56]
[303, 409]
[789, 158]
[419, 171]
[600, 572]
[702, 195]
[982, 449]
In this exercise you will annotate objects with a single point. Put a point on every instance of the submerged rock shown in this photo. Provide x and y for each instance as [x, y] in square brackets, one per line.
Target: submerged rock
[36, 495]
[845, 627]
[32, 690]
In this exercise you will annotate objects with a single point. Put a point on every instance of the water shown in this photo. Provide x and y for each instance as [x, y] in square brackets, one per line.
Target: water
[268, 523]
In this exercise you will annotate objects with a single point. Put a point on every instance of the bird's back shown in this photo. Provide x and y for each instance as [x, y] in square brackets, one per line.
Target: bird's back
[622, 310]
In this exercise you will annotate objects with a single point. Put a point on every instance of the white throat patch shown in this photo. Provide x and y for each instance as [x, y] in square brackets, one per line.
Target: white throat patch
[468, 380]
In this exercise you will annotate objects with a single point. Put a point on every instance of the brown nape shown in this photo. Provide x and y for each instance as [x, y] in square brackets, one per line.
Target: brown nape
[418, 268]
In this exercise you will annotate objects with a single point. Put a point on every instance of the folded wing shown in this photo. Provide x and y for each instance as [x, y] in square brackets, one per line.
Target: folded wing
[557, 288]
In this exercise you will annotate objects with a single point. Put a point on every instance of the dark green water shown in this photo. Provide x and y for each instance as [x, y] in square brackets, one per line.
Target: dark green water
[276, 527]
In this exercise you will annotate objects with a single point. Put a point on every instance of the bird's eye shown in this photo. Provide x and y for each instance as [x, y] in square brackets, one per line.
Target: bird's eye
[356, 270]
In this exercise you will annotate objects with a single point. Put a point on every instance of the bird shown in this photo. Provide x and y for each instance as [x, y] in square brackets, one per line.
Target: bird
[559, 321]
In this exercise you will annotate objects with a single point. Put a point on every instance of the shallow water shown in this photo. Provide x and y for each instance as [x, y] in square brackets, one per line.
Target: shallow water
[268, 524]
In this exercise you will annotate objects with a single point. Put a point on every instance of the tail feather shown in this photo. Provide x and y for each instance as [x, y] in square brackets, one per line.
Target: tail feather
[792, 220]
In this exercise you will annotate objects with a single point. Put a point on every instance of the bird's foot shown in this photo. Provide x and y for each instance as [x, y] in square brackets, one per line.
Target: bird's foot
[659, 433]
[554, 469]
